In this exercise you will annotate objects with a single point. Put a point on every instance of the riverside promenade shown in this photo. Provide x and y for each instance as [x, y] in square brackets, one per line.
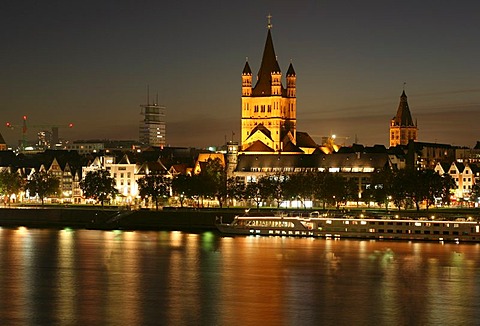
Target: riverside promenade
[113, 218]
[171, 218]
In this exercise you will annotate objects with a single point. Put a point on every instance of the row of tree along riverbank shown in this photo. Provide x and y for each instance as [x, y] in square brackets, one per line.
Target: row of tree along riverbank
[169, 218]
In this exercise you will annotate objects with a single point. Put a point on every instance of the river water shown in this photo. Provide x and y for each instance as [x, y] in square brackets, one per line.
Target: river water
[87, 277]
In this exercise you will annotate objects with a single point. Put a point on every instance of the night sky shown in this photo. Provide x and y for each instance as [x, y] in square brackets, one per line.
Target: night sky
[89, 62]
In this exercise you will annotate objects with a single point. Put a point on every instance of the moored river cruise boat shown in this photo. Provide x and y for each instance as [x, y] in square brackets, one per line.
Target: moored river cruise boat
[460, 230]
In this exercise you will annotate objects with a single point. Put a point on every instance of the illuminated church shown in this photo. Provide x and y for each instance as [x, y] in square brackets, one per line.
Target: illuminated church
[269, 110]
[402, 128]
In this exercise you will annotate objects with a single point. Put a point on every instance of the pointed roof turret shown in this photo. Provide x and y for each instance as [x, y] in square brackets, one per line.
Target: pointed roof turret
[246, 69]
[403, 117]
[291, 71]
[269, 65]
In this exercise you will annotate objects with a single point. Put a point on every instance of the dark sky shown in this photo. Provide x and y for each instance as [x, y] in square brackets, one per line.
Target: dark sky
[89, 62]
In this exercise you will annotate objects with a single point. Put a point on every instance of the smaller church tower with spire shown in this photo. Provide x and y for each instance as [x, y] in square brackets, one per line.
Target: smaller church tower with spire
[402, 128]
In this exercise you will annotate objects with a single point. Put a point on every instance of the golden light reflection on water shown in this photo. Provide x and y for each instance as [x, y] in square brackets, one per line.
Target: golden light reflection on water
[93, 277]
[66, 276]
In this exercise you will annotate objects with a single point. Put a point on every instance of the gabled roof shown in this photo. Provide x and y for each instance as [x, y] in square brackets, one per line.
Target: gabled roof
[258, 146]
[2, 141]
[445, 166]
[460, 166]
[292, 148]
[269, 65]
[403, 117]
[304, 140]
[124, 160]
[179, 169]
[152, 167]
[262, 129]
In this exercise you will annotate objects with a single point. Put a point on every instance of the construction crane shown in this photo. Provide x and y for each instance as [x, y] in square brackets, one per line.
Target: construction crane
[24, 127]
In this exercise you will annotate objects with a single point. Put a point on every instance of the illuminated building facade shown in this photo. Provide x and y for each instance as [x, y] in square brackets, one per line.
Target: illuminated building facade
[465, 176]
[402, 128]
[269, 109]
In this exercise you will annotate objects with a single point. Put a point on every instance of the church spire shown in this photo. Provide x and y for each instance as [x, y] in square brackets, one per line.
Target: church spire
[403, 117]
[269, 65]
[402, 128]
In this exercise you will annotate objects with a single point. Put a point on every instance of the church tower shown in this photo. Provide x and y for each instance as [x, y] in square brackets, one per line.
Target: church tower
[402, 128]
[269, 110]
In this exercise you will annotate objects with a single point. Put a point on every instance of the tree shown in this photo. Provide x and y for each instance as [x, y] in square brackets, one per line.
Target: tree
[276, 184]
[43, 184]
[319, 188]
[417, 186]
[235, 190]
[433, 185]
[335, 189]
[381, 187]
[300, 186]
[181, 187]
[154, 186]
[447, 185]
[401, 185]
[98, 185]
[476, 192]
[258, 191]
[214, 179]
[11, 183]
[351, 190]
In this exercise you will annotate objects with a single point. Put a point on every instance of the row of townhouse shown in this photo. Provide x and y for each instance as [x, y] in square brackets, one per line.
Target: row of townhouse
[126, 168]
[465, 175]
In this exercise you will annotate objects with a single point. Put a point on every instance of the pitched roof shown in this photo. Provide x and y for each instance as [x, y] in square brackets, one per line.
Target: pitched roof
[2, 141]
[403, 117]
[475, 168]
[152, 167]
[269, 65]
[291, 71]
[179, 168]
[260, 127]
[460, 166]
[445, 166]
[304, 140]
[246, 69]
[258, 146]
[292, 148]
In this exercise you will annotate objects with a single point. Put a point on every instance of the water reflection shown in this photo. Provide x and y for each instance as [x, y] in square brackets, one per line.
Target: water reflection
[138, 278]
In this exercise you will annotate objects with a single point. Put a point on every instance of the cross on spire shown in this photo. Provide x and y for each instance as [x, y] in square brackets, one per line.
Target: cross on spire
[269, 21]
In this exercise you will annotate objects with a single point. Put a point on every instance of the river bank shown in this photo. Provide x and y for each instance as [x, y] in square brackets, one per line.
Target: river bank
[111, 218]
